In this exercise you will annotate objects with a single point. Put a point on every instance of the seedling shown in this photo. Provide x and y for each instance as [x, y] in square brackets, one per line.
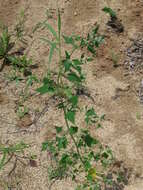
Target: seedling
[109, 11]
[19, 28]
[21, 63]
[113, 22]
[8, 57]
[93, 40]
[5, 45]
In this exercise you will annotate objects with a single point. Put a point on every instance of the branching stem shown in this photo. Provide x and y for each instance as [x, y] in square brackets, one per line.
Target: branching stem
[72, 137]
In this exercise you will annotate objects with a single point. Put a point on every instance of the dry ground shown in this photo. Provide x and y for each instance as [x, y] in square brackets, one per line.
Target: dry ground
[115, 90]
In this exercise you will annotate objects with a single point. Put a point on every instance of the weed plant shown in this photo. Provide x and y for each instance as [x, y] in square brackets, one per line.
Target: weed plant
[74, 151]
[21, 65]
[109, 11]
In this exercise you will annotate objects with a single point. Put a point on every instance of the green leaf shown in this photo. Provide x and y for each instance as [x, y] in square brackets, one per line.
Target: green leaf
[91, 116]
[97, 157]
[48, 86]
[59, 129]
[83, 43]
[90, 112]
[91, 49]
[70, 115]
[61, 105]
[17, 148]
[74, 100]
[91, 155]
[47, 80]
[105, 155]
[73, 77]
[46, 89]
[109, 11]
[50, 28]
[92, 173]
[75, 155]
[65, 160]
[67, 64]
[68, 92]
[73, 130]
[80, 143]
[68, 39]
[77, 68]
[4, 42]
[62, 142]
[77, 62]
[67, 55]
[89, 141]
[95, 30]
[87, 165]
[45, 146]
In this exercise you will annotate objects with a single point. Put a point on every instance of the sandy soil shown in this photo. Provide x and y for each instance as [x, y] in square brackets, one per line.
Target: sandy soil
[115, 90]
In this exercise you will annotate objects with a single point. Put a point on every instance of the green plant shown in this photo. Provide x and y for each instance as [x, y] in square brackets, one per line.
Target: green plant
[109, 11]
[21, 63]
[93, 40]
[8, 57]
[5, 45]
[73, 151]
[20, 25]
[8, 152]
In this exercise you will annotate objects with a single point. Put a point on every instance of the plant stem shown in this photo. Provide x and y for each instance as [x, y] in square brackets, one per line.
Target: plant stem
[73, 51]
[72, 137]
[60, 47]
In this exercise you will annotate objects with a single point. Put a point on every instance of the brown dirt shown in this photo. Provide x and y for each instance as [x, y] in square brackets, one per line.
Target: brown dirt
[114, 89]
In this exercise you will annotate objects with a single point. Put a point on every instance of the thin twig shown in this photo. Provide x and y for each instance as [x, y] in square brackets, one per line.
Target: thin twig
[14, 167]
[8, 159]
